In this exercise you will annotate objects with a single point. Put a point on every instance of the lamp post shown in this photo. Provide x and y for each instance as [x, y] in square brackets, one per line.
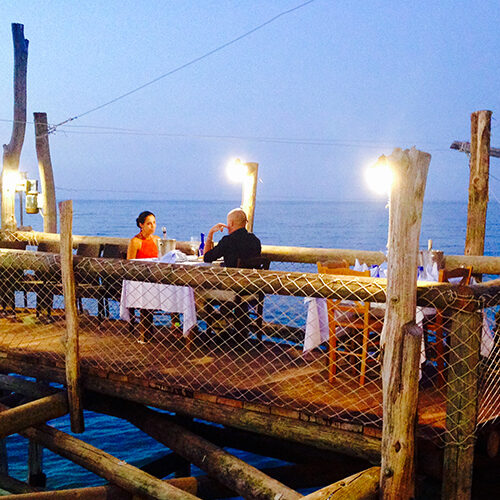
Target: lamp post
[247, 174]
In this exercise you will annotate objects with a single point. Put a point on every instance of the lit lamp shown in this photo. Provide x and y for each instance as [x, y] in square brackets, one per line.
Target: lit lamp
[380, 176]
[246, 173]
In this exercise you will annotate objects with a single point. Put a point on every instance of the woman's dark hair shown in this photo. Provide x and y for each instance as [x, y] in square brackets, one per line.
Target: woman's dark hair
[142, 218]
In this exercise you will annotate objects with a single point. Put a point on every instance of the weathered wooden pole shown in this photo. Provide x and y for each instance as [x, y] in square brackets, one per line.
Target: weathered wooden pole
[462, 397]
[36, 476]
[12, 151]
[46, 173]
[478, 182]
[4, 457]
[249, 193]
[35, 412]
[103, 464]
[72, 344]
[401, 338]
[362, 485]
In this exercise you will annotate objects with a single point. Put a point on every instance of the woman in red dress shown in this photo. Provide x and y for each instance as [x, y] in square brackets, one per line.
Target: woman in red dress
[143, 245]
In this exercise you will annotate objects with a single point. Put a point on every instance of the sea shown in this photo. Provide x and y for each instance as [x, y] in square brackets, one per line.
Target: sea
[349, 225]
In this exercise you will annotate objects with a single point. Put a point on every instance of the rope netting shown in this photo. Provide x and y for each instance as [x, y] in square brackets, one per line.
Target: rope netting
[285, 340]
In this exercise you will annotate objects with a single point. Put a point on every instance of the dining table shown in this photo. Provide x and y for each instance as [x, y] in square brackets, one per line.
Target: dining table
[159, 296]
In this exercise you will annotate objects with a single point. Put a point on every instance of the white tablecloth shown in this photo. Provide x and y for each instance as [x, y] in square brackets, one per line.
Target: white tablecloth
[317, 330]
[168, 298]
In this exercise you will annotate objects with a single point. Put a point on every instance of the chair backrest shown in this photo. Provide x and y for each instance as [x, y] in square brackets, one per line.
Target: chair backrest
[332, 264]
[254, 263]
[14, 245]
[112, 251]
[342, 271]
[49, 246]
[88, 249]
[464, 273]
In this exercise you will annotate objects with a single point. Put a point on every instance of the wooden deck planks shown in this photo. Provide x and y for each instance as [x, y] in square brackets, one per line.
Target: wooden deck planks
[274, 376]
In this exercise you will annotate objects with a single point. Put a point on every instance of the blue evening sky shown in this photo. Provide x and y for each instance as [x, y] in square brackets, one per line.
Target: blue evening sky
[337, 82]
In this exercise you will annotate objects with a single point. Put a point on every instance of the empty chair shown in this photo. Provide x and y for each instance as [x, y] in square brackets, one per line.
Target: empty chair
[112, 288]
[89, 286]
[435, 329]
[354, 331]
[333, 264]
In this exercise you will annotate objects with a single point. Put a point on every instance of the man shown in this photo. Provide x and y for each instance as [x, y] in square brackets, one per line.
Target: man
[238, 244]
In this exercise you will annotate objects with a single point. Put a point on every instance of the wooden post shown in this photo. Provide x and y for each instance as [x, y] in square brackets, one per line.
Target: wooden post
[478, 182]
[249, 192]
[12, 151]
[462, 398]
[4, 458]
[401, 338]
[36, 477]
[72, 346]
[46, 174]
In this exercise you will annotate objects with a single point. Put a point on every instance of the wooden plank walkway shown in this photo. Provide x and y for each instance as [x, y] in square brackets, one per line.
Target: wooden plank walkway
[260, 376]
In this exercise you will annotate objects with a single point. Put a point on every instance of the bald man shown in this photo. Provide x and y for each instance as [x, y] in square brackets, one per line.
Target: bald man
[238, 244]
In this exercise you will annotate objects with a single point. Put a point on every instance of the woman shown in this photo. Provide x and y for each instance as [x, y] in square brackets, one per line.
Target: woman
[143, 245]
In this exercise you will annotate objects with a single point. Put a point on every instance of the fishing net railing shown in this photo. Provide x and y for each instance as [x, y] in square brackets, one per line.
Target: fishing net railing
[287, 340]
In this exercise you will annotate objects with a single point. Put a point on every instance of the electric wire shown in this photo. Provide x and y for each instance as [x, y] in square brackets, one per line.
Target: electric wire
[185, 65]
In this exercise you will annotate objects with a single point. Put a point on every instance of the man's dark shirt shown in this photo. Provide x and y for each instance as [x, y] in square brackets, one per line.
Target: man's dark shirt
[238, 245]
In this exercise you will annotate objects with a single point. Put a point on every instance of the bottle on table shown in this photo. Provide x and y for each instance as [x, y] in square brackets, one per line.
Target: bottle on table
[201, 248]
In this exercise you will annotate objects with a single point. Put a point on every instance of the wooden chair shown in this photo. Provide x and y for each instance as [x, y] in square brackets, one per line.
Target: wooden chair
[354, 331]
[333, 264]
[435, 329]
[112, 288]
[253, 305]
[89, 287]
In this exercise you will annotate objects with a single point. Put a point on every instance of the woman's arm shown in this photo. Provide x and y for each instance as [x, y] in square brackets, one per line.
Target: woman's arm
[133, 247]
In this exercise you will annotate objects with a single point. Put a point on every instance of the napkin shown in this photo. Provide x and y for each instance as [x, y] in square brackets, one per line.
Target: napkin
[173, 257]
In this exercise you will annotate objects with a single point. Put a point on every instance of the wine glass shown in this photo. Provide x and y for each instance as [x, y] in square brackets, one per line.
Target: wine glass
[195, 244]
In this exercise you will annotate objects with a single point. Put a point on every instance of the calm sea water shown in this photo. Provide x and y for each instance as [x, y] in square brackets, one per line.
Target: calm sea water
[313, 224]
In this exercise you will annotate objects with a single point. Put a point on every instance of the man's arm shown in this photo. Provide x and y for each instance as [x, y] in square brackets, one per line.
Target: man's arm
[210, 252]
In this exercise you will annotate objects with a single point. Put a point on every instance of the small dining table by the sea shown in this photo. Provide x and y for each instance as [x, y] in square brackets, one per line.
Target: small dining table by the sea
[158, 296]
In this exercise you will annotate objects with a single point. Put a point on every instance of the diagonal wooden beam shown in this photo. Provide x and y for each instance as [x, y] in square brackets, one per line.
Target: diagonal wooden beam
[363, 485]
[237, 475]
[14, 420]
[25, 387]
[109, 492]
[103, 464]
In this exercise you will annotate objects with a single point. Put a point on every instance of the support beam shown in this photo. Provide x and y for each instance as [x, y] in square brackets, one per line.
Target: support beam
[462, 398]
[25, 387]
[109, 492]
[248, 481]
[14, 420]
[15, 486]
[48, 193]
[478, 182]
[36, 476]
[103, 464]
[72, 343]
[401, 338]
[360, 486]
[319, 436]
[465, 148]
[12, 151]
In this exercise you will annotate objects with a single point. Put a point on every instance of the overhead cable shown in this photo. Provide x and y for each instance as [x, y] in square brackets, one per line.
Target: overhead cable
[185, 65]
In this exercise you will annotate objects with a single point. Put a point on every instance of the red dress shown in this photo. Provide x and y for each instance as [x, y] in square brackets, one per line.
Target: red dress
[148, 249]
